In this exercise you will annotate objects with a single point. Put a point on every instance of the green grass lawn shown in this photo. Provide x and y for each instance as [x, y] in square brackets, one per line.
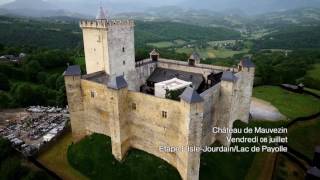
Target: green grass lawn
[235, 166]
[314, 72]
[312, 77]
[292, 105]
[55, 158]
[179, 42]
[287, 169]
[298, 133]
[162, 44]
[261, 167]
[93, 156]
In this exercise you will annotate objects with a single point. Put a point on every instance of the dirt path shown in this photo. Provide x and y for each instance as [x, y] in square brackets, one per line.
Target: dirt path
[263, 110]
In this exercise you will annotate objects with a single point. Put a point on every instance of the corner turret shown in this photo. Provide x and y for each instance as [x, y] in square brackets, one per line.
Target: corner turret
[193, 105]
[72, 77]
[154, 55]
[194, 59]
[246, 64]
[119, 120]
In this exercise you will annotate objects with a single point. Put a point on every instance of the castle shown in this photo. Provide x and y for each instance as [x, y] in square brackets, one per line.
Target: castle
[117, 97]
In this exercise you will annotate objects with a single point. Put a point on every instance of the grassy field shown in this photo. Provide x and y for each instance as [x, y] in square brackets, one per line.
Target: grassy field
[261, 167]
[179, 42]
[212, 53]
[55, 158]
[231, 166]
[162, 44]
[299, 131]
[314, 72]
[290, 104]
[93, 156]
[287, 169]
[312, 78]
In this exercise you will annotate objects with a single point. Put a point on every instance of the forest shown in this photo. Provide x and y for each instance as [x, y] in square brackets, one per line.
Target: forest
[291, 37]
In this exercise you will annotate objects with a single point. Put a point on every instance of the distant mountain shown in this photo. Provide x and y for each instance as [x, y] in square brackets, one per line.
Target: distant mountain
[284, 19]
[189, 16]
[235, 19]
[29, 4]
[250, 6]
[35, 8]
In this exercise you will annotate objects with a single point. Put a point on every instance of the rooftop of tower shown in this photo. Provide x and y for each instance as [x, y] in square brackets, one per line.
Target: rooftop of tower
[101, 14]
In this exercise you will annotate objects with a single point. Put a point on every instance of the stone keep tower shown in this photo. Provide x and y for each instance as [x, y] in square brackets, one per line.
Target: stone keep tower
[109, 46]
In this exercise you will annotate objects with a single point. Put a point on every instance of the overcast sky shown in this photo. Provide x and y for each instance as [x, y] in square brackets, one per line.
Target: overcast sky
[164, 2]
[247, 6]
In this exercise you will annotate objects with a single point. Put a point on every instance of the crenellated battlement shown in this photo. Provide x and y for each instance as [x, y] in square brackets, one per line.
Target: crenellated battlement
[105, 23]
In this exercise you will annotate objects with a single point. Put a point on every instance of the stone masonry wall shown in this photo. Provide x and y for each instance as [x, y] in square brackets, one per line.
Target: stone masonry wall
[96, 109]
[211, 103]
[95, 49]
[244, 93]
[144, 71]
[134, 120]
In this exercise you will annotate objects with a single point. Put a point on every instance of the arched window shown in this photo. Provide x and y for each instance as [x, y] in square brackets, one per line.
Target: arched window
[123, 49]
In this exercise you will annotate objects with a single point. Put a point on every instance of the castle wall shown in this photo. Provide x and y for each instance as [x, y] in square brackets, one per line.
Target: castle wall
[244, 93]
[144, 71]
[181, 128]
[147, 121]
[211, 105]
[97, 109]
[203, 69]
[110, 112]
[76, 107]
[225, 110]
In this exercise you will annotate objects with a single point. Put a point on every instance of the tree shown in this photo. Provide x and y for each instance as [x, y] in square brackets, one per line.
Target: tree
[31, 69]
[61, 99]
[174, 94]
[51, 81]
[59, 82]
[37, 175]
[26, 95]
[1, 47]
[4, 82]
[42, 77]
[4, 100]
[5, 149]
